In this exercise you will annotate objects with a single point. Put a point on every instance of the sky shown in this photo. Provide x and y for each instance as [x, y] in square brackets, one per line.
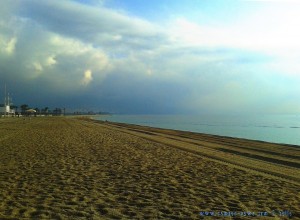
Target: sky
[152, 57]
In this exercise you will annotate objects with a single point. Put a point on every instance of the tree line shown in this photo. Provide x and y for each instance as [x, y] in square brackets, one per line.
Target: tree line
[40, 111]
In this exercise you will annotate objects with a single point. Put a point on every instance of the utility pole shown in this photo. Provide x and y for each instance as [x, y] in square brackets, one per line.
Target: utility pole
[4, 94]
[5, 100]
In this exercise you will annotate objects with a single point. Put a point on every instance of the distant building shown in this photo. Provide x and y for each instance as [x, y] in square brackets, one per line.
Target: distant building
[5, 109]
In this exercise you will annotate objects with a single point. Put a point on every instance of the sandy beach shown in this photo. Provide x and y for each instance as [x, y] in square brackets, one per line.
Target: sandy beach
[76, 168]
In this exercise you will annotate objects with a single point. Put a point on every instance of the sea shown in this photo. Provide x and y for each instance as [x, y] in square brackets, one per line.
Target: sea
[284, 129]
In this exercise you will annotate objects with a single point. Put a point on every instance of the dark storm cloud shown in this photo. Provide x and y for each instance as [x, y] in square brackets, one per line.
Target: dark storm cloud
[60, 53]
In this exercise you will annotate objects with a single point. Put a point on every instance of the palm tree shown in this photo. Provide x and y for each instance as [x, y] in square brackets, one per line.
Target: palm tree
[37, 111]
[45, 110]
[14, 107]
[24, 107]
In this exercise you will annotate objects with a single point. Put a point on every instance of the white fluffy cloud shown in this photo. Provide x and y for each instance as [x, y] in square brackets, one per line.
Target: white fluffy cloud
[271, 30]
[50, 61]
[9, 46]
[87, 77]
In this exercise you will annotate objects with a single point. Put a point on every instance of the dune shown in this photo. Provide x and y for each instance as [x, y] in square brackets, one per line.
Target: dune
[77, 168]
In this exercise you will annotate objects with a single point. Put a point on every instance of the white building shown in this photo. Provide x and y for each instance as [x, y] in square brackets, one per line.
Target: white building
[5, 108]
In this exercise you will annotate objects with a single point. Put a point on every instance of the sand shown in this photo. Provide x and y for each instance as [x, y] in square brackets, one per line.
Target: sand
[70, 168]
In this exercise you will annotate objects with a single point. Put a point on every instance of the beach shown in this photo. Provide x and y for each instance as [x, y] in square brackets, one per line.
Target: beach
[78, 168]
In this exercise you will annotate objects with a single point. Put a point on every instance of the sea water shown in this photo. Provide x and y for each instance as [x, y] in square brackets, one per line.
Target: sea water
[271, 128]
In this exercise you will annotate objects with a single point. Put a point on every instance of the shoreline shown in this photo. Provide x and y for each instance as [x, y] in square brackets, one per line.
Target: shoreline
[62, 168]
[253, 129]
[264, 157]
[190, 132]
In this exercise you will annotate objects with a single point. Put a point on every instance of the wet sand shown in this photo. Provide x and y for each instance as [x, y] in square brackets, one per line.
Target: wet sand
[68, 168]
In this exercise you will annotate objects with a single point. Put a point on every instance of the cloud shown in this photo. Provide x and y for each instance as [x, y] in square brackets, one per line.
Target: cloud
[37, 67]
[44, 55]
[9, 46]
[76, 53]
[264, 32]
[87, 78]
[50, 61]
[101, 26]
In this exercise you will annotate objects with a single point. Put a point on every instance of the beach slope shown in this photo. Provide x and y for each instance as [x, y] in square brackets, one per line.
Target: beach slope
[70, 168]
